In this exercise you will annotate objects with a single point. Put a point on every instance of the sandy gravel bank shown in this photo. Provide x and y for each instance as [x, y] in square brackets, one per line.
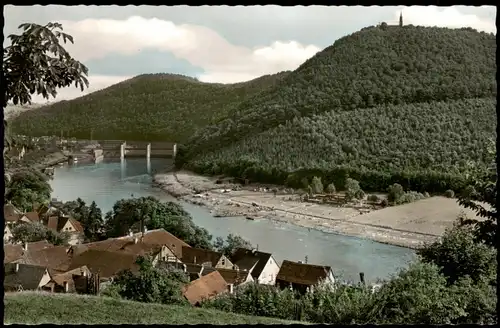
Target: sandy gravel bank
[407, 225]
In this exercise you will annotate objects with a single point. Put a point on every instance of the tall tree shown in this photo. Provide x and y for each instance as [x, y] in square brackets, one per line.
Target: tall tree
[36, 62]
[480, 196]
[26, 188]
[232, 242]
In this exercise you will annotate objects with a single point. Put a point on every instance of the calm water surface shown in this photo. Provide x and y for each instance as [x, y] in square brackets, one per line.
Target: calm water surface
[107, 182]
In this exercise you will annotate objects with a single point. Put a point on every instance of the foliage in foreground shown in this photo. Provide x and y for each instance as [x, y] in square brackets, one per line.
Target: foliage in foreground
[423, 147]
[149, 107]
[39, 308]
[149, 285]
[36, 62]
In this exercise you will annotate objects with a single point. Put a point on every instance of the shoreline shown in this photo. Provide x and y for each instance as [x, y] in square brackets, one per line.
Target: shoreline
[255, 203]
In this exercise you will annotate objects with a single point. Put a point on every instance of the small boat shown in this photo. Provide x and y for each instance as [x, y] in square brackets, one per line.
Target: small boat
[250, 218]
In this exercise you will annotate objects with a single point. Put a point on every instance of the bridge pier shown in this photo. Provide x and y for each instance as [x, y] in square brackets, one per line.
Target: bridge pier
[148, 165]
[148, 151]
[123, 168]
[122, 150]
[174, 150]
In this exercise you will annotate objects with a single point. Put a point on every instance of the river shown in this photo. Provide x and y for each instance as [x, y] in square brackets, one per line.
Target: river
[107, 182]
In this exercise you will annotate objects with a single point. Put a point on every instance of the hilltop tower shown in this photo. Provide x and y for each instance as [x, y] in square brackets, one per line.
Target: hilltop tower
[401, 19]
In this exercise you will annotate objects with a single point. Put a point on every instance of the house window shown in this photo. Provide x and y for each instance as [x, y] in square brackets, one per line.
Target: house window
[223, 262]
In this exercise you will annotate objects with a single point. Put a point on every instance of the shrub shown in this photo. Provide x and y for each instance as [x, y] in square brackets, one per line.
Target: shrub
[317, 185]
[373, 198]
[395, 191]
[449, 193]
[384, 202]
[331, 188]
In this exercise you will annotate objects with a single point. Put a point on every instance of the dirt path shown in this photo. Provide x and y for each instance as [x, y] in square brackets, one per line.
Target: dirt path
[407, 225]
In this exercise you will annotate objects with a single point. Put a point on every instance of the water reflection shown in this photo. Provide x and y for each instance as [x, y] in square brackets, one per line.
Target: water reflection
[107, 182]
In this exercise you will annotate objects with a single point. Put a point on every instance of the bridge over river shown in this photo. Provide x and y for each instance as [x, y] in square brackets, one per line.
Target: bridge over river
[138, 149]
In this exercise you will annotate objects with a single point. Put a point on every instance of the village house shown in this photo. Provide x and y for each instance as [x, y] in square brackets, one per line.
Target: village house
[205, 257]
[51, 257]
[15, 252]
[69, 225]
[236, 277]
[196, 271]
[13, 215]
[7, 234]
[17, 153]
[19, 277]
[159, 244]
[68, 282]
[262, 266]
[105, 263]
[303, 277]
[205, 288]
[32, 216]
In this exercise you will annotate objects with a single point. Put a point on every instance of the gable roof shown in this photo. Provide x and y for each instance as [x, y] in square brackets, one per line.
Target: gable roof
[50, 257]
[118, 245]
[61, 278]
[301, 273]
[14, 252]
[247, 259]
[107, 264]
[11, 213]
[163, 238]
[200, 256]
[234, 277]
[32, 216]
[204, 288]
[57, 223]
[28, 276]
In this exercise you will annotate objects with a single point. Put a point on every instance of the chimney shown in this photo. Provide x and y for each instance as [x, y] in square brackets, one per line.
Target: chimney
[136, 240]
[230, 288]
[25, 247]
[362, 277]
[65, 286]
[17, 267]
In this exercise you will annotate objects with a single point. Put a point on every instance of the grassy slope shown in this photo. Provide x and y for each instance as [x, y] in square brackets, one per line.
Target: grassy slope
[369, 67]
[38, 308]
[370, 91]
[161, 107]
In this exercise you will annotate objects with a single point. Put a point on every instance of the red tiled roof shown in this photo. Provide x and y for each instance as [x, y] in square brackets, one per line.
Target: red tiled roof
[247, 259]
[15, 252]
[32, 216]
[204, 288]
[52, 223]
[51, 257]
[163, 238]
[200, 256]
[77, 225]
[234, 277]
[301, 273]
[105, 263]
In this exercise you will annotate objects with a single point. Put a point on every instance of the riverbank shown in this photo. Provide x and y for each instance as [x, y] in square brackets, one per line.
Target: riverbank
[408, 225]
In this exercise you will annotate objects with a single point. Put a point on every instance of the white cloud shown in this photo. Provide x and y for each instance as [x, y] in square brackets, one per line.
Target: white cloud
[96, 82]
[445, 17]
[200, 46]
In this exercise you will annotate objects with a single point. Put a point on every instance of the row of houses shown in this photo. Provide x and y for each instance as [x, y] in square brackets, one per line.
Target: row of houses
[92, 266]
[49, 215]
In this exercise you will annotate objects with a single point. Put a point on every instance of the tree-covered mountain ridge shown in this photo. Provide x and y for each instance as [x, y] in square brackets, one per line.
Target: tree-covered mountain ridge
[149, 107]
[374, 66]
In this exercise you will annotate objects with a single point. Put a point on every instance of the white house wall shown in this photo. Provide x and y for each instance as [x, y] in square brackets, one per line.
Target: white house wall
[268, 275]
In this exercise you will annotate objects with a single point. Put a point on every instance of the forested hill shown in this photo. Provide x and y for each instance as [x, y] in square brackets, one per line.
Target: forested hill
[147, 107]
[375, 66]
[423, 146]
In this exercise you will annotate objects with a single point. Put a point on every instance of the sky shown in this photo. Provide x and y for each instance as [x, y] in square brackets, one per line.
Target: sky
[218, 44]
